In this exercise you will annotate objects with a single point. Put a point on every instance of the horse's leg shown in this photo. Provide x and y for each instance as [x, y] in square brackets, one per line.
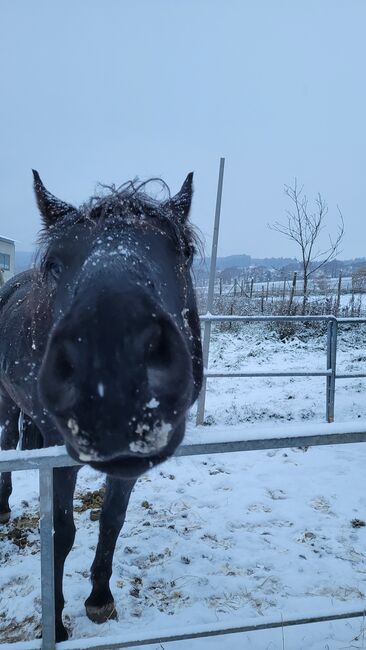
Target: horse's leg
[64, 479]
[100, 604]
[31, 435]
[9, 416]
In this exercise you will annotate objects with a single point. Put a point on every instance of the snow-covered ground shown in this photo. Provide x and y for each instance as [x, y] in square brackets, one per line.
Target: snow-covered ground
[229, 538]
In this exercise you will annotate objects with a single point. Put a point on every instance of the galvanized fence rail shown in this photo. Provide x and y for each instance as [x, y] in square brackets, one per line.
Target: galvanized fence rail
[329, 373]
[47, 459]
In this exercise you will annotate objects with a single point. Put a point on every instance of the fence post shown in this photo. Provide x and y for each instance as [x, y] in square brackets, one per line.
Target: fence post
[231, 313]
[47, 563]
[207, 328]
[339, 292]
[293, 289]
[332, 332]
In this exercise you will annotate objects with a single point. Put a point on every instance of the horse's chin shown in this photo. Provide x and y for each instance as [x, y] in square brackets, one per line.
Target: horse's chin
[124, 467]
[127, 466]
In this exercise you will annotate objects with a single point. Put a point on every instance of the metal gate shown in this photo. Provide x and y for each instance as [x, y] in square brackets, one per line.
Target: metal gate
[330, 371]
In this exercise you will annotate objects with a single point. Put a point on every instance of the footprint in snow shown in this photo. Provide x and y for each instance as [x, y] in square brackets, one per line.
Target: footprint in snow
[276, 495]
[258, 507]
[321, 504]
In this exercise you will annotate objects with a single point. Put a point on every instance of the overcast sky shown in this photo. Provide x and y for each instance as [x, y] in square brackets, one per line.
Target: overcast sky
[106, 90]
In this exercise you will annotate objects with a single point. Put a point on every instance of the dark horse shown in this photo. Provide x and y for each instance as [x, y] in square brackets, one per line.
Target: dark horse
[100, 349]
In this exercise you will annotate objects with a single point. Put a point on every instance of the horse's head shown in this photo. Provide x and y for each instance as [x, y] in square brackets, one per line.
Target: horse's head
[123, 359]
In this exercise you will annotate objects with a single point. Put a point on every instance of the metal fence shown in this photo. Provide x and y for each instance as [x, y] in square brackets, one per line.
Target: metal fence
[45, 460]
[330, 372]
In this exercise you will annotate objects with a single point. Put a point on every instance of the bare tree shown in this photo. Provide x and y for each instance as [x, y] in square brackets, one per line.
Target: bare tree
[304, 226]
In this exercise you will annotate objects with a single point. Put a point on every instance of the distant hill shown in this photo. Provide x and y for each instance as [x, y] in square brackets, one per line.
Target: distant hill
[274, 262]
[243, 261]
[272, 268]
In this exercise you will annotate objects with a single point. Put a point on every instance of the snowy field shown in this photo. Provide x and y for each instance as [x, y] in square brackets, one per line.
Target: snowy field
[228, 538]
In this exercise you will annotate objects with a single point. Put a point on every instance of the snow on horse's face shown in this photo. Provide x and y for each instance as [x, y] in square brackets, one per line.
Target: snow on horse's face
[122, 362]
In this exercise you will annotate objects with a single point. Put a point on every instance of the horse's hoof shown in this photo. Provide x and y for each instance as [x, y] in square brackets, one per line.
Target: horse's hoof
[102, 613]
[4, 517]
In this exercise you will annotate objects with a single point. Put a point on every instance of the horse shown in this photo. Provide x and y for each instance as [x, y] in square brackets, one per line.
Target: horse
[100, 349]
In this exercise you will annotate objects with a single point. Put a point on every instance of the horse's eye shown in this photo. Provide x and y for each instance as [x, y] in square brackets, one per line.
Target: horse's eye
[54, 268]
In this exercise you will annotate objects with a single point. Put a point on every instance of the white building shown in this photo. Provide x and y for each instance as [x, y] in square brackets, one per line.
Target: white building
[7, 257]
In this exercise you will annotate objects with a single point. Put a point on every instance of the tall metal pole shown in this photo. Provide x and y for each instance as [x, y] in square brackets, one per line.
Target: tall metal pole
[211, 283]
[210, 297]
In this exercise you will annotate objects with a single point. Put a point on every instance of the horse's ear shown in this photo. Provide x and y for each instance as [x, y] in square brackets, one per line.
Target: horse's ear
[180, 204]
[49, 206]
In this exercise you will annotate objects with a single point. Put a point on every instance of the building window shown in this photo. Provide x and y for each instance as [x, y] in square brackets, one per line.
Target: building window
[4, 262]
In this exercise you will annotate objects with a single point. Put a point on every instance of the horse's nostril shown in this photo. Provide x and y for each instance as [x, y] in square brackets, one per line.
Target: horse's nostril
[164, 373]
[159, 349]
[65, 362]
[58, 380]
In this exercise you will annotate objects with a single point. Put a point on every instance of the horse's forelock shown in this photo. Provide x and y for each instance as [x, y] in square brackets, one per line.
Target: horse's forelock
[130, 201]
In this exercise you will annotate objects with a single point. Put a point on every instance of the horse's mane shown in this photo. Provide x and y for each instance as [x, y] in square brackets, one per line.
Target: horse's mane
[130, 202]
[131, 197]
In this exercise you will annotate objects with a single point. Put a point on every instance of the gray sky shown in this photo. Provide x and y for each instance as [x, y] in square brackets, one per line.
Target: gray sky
[104, 90]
